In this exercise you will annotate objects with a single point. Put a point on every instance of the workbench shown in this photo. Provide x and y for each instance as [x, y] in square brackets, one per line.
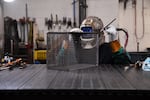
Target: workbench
[103, 79]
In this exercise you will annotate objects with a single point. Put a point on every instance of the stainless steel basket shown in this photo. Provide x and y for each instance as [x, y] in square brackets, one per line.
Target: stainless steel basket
[64, 51]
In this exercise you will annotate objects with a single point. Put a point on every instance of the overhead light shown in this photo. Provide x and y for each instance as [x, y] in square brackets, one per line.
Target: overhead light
[8, 0]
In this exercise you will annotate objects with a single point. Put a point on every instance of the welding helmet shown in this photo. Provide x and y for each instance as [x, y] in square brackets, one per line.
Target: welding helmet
[91, 25]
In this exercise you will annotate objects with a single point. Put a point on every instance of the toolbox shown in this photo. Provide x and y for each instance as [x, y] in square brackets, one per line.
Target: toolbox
[39, 54]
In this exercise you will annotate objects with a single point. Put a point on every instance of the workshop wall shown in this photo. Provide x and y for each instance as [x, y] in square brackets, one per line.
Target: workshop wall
[135, 17]
[105, 9]
[40, 9]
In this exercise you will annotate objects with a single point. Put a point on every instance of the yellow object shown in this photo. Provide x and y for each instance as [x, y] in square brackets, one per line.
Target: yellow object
[2, 60]
[39, 54]
[115, 45]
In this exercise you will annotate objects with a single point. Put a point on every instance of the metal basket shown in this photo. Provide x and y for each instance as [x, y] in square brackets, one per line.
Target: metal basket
[64, 51]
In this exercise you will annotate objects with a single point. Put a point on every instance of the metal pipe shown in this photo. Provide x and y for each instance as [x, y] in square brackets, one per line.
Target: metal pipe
[2, 29]
[74, 13]
[26, 23]
[143, 18]
[97, 50]
[135, 23]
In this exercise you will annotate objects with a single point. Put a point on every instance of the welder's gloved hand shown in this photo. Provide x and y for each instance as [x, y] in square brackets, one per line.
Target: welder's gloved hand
[111, 30]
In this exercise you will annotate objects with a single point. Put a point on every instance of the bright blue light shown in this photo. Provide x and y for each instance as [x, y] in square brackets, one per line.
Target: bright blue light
[87, 29]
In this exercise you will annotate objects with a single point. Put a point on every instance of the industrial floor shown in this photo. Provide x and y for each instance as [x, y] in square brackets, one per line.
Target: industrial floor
[105, 77]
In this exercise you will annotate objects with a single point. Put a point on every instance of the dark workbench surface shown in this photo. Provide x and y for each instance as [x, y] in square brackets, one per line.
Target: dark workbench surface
[105, 77]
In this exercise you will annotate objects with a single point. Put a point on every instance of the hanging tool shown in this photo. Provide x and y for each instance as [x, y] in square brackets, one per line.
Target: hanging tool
[56, 20]
[49, 22]
[59, 25]
[64, 21]
[56, 24]
[69, 23]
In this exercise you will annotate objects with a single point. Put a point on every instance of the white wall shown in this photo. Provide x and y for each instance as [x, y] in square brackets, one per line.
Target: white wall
[107, 10]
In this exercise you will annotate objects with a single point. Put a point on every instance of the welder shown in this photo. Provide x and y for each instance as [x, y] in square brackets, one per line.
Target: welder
[109, 52]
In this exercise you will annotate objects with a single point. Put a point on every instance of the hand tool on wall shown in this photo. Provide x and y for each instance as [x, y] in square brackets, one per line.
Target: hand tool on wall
[56, 22]
[49, 22]
[64, 21]
[59, 25]
[69, 23]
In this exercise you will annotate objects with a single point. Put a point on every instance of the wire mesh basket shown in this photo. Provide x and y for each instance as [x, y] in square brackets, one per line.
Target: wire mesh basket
[65, 51]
